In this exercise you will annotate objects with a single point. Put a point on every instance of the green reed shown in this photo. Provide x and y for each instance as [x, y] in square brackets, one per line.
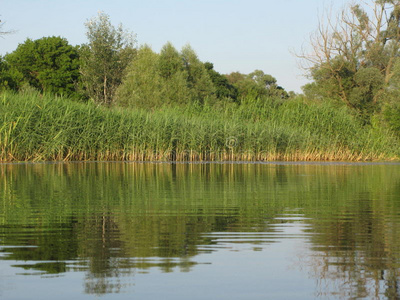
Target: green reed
[37, 127]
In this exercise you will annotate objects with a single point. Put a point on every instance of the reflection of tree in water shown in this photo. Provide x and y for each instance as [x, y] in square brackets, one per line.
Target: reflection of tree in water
[139, 243]
[356, 252]
[116, 220]
[113, 255]
[105, 271]
[351, 277]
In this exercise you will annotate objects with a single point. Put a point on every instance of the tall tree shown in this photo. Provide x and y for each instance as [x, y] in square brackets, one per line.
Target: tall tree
[105, 57]
[355, 58]
[143, 83]
[170, 61]
[198, 79]
[175, 87]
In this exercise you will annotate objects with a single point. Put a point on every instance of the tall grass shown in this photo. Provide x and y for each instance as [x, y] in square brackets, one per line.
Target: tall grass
[37, 127]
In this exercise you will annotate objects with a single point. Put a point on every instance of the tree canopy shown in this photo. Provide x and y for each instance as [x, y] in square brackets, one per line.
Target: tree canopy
[355, 57]
[49, 64]
[223, 89]
[105, 57]
[170, 77]
[256, 85]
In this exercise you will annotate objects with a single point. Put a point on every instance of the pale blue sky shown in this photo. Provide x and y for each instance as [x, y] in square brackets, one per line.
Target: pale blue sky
[235, 35]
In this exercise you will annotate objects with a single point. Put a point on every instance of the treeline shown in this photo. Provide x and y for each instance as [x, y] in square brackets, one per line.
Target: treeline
[111, 69]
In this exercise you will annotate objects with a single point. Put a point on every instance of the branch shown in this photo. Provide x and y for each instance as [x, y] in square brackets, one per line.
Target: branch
[5, 32]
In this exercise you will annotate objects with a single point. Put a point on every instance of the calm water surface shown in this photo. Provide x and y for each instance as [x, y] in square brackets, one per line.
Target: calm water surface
[199, 231]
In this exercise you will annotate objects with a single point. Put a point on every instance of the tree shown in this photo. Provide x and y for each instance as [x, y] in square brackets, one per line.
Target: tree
[354, 58]
[198, 79]
[267, 84]
[105, 57]
[49, 64]
[170, 61]
[175, 86]
[223, 89]
[6, 79]
[153, 80]
[168, 78]
[256, 85]
[143, 83]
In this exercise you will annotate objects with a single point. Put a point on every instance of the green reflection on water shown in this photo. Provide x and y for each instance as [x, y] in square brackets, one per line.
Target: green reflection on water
[115, 219]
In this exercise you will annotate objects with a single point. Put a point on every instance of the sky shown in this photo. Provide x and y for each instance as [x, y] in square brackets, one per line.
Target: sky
[235, 35]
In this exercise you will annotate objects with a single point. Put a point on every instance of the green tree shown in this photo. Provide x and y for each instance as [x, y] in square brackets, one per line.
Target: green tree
[6, 80]
[105, 57]
[153, 80]
[391, 113]
[267, 85]
[176, 88]
[354, 59]
[223, 89]
[256, 85]
[168, 78]
[246, 87]
[143, 84]
[198, 80]
[49, 64]
[170, 61]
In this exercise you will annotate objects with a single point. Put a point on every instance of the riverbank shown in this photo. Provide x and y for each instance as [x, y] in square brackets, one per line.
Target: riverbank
[36, 127]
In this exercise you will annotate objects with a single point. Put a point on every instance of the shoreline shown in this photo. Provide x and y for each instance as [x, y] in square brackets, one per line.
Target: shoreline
[279, 163]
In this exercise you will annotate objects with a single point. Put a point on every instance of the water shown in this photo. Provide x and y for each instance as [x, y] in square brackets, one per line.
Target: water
[199, 231]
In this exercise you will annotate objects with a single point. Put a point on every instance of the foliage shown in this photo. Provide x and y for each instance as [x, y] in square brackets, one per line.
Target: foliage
[49, 64]
[170, 61]
[174, 77]
[170, 77]
[223, 89]
[104, 58]
[6, 80]
[256, 85]
[355, 60]
[198, 79]
[143, 85]
[391, 113]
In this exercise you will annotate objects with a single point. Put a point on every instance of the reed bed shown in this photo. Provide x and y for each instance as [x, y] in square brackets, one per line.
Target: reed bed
[37, 127]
